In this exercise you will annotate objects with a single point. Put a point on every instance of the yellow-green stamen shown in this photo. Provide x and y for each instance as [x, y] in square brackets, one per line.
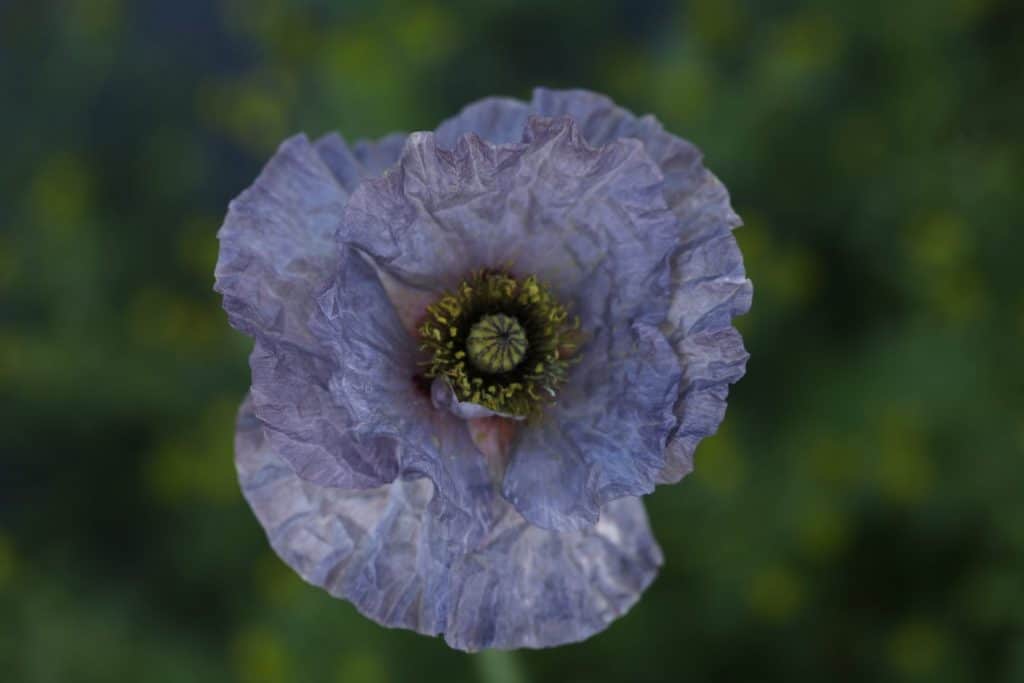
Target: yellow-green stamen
[500, 342]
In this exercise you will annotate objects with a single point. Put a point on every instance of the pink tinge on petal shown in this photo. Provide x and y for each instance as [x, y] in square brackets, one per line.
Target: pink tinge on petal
[493, 438]
[410, 303]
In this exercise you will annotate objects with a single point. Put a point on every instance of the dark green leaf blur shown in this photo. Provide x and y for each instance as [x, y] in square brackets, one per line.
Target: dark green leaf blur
[859, 517]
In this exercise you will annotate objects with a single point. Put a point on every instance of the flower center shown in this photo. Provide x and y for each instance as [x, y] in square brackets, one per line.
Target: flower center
[496, 343]
[500, 342]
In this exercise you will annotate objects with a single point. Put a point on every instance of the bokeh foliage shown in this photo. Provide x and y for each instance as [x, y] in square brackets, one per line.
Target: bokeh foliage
[860, 517]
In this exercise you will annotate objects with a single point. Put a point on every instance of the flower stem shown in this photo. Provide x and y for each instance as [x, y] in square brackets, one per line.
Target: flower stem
[497, 666]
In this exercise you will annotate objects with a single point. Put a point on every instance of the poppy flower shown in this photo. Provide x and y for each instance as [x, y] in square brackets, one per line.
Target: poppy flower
[475, 348]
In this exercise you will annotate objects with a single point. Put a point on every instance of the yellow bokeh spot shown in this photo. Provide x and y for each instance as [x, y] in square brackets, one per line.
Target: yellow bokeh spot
[60, 196]
[259, 656]
[426, 31]
[8, 563]
[823, 531]
[775, 593]
[277, 582]
[716, 22]
[363, 667]
[801, 48]
[941, 253]
[905, 472]
[253, 112]
[1020, 436]
[96, 19]
[833, 462]
[859, 142]
[717, 464]
[915, 650]
[1020, 318]
[157, 317]
[197, 464]
[692, 93]
[967, 11]
[8, 266]
[197, 245]
[785, 275]
[938, 242]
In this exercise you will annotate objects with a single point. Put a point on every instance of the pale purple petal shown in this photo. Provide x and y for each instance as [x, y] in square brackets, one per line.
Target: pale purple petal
[291, 393]
[372, 547]
[278, 250]
[605, 435]
[531, 587]
[278, 246]
[591, 223]
[385, 551]
[423, 511]
[377, 156]
[499, 120]
[343, 164]
[709, 284]
[376, 381]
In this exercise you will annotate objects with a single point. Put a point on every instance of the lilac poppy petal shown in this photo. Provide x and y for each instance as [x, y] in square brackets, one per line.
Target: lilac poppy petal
[604, 437]
[278, 251]
[368, 158]
[372, 547]
[435, 514]
[602, 121]
[338, 157]
[385, 551]
[277, 245]
[594, 225]
[291, 393]
[709, 284]
[499, 120]
[711, 360]
[710, 289]
[531, 587]
[375, 382]
[591, 223]
[377, 156]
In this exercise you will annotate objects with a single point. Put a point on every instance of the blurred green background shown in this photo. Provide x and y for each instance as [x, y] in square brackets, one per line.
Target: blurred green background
[860, 516]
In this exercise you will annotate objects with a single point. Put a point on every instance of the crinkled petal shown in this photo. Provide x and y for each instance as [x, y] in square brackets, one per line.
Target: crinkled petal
[711, 360]
[376, 548]
[604, 437]
[343, 164]
[278, 245]
[377, 156]
[330, 272]
[368, 158]
[384, 550]
[709, 284]
[601, 121]
[278, 251]
[307, 425]
[499, 120]
[531, 587]
[376, 383]
[591, 223]
[710, 289]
